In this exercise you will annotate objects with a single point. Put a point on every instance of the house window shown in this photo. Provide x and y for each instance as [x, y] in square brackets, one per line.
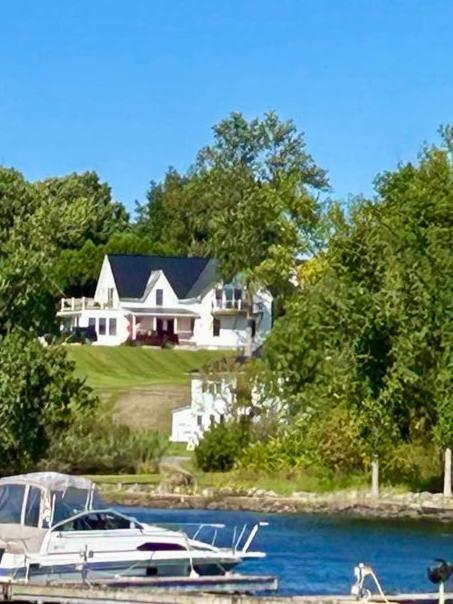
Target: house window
[211, 420]
[216, 327]
[237, 298]
[159, 297]
[110, 297]
[218, 298]
[229, 297]
[102, 326]
[92, 322]
[112, 327]
[200, 421]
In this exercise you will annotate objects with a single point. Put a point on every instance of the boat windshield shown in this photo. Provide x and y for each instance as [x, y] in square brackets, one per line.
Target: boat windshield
[11, 499]
[72, 501]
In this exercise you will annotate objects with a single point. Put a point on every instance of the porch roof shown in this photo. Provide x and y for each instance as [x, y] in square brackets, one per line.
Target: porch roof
[161, 312]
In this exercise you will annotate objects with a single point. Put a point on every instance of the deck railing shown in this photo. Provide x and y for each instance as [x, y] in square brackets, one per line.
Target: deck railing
[84, 303]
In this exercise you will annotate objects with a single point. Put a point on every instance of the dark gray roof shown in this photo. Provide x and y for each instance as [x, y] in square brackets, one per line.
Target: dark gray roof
[189, 277]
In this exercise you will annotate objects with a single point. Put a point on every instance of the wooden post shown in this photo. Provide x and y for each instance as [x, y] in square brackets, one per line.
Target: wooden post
[375, 476]
[447, 473]
[134, 328]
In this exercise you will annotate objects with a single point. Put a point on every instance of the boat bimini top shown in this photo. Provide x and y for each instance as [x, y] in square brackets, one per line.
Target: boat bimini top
[32, 503]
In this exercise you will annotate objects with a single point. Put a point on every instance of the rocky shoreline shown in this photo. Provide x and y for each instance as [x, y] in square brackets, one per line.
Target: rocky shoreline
[390, 504]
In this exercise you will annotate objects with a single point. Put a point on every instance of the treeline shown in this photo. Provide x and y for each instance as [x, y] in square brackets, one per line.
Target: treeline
[362, 361]
[249, 200]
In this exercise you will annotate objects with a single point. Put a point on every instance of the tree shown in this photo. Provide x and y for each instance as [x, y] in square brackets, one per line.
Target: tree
[106, 216]
[79, 252]
[258, 182]
[77, 270]
[33, 225]
[173, 217]
[372, 330]
[39, 398]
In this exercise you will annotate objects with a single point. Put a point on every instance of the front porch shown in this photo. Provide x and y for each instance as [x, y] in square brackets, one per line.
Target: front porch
[176, 325]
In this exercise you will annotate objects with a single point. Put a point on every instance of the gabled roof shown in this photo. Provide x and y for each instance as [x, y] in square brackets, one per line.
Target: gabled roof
[189, 277]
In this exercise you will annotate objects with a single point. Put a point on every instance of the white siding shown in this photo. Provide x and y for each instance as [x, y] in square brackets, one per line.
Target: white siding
[106, 281]
[98, 314]
[170, 299]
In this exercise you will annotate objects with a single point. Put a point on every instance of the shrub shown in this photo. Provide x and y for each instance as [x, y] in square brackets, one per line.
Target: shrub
[332, 444]
[98, 444]
[337, 443]
[284, 452]
[416, 464]
[222, 445]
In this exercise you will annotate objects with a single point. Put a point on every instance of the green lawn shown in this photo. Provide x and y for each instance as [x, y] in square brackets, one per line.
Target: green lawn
[123, 367]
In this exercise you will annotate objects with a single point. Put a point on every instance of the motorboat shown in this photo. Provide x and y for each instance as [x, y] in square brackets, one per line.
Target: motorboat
[53, 527]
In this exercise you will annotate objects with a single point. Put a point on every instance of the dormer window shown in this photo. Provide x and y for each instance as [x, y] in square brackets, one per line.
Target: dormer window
[159, 297]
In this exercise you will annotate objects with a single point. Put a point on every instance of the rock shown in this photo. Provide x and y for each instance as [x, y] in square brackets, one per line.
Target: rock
[209, 492]
[260, 492]
[272, 494]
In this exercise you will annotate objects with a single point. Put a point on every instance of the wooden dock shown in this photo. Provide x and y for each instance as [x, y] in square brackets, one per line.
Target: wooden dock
[99, 594]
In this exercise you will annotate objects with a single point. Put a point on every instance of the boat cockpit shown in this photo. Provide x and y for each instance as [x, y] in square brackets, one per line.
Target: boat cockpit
[44, 499]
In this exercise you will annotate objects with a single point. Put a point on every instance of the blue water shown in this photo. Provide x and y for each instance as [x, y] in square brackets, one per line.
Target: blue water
[313, 554]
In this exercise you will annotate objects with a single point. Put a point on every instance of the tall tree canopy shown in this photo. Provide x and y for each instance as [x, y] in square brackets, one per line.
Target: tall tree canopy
[372, 330]
[33, 225]
[249, 200]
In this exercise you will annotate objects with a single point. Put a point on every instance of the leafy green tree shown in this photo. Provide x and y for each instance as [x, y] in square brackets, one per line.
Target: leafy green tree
[105, 216]
[39, 398]
[33, 225]
[259, 183]
[76, 271]
[372, 330]
[173, 217]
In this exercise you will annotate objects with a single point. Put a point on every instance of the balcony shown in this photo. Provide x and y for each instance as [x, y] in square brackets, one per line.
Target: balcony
[225, 306]
[74, 305]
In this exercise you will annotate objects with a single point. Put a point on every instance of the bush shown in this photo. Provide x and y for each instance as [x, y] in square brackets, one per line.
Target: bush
[98, 445]
[222, 445]
[337, 443]
[415, 464]
[330, 444]
[39, 398]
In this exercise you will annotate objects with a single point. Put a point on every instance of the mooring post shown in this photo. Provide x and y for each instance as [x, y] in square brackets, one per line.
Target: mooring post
[375, 476]
[447, 473]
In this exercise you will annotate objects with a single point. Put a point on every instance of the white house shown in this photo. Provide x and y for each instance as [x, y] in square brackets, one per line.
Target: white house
[213, 397]
[142, 295]
[211, 401]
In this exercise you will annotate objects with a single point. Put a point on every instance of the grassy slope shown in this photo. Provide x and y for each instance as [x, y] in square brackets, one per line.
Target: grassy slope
[123, 367]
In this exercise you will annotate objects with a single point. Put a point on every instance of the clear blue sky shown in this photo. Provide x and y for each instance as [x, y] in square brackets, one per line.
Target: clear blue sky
[128, 87]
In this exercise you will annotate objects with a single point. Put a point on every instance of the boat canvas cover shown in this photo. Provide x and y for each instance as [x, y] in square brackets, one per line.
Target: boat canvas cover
[52, 481]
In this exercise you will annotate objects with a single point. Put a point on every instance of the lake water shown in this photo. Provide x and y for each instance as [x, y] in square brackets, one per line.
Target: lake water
[313, 554]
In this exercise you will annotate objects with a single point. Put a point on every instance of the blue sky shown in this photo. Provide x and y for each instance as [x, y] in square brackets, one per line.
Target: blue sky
[127, 88]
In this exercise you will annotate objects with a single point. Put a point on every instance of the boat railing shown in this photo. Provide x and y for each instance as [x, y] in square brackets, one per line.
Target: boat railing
[241, 536]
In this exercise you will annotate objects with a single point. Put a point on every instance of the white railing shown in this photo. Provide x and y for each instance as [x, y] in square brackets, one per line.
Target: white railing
[84, 303]
[225, 303]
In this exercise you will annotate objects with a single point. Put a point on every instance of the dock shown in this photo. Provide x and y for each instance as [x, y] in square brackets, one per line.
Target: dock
[34, 593]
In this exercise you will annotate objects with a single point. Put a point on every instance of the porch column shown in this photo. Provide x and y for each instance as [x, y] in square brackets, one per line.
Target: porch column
[154, 323]
[134, 327]
[175, 325]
